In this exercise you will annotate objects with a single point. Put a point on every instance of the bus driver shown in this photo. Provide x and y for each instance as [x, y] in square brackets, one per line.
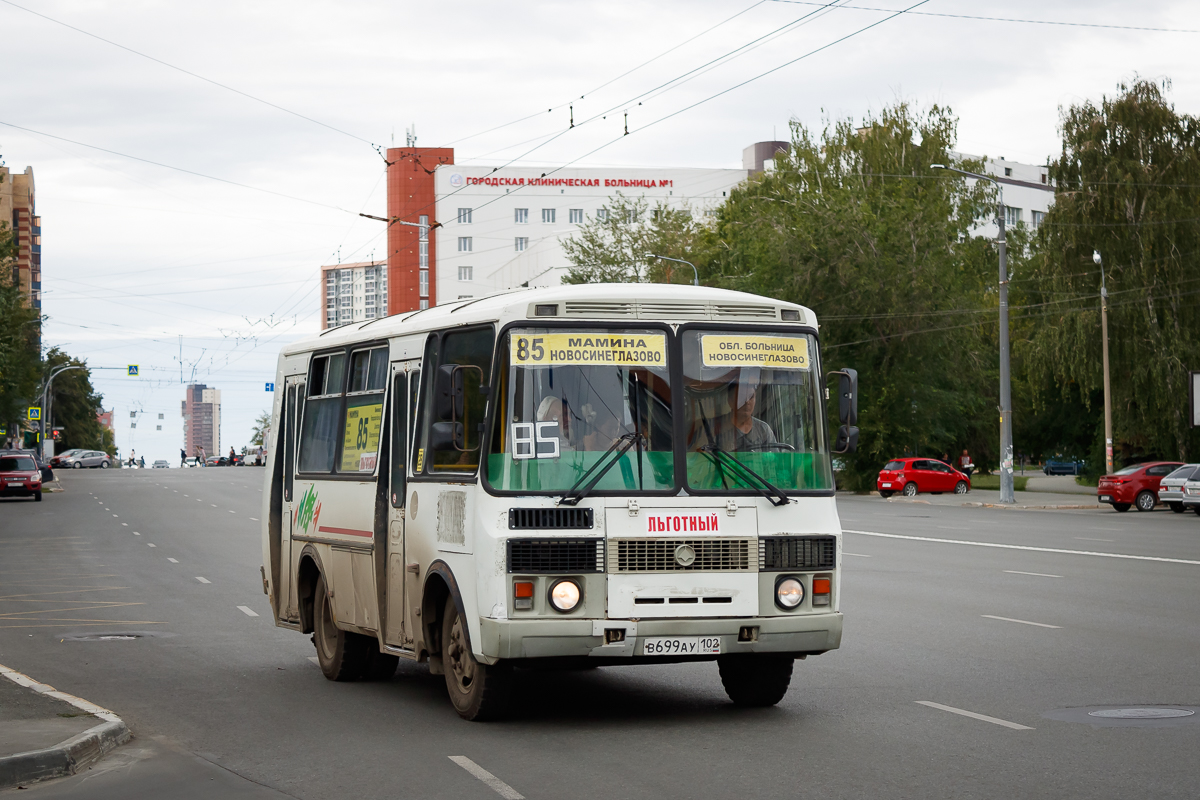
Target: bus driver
[738, 428]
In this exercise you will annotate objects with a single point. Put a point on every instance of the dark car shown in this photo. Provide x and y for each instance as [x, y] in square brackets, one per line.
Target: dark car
[912, 475]
[217, 461]
[1063, 467]
[43, 468]
[20, 476]
[1135, 485]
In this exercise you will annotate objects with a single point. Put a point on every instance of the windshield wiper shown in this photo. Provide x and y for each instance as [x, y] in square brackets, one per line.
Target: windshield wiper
[621, 446]
[763, 487]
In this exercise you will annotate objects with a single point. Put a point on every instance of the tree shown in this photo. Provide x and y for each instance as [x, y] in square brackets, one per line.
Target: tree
[261, 426]
[75, 403]
[612, 247]
[19, 329]
[855, 224]
[1127, 184]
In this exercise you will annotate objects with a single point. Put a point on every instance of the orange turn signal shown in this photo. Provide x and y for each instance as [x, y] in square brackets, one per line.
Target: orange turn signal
[522, 589]
[821, 585]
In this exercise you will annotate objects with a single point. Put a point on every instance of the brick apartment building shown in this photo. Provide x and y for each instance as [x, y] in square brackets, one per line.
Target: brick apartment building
[201, 409]
[18, 212]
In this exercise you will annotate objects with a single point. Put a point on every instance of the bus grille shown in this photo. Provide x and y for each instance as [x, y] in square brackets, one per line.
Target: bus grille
[555, 556]
[665, 555]
[777, 553]
[536, 519]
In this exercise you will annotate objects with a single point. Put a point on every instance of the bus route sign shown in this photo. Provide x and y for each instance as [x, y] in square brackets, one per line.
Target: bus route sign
[582, 348]
[773, 352]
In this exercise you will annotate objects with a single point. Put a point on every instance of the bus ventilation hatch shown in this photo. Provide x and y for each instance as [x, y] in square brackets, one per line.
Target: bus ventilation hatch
[539, 519]
[555, 556]
[777, 553]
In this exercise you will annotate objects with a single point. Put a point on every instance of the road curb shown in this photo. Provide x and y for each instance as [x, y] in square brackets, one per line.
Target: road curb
[65, 758]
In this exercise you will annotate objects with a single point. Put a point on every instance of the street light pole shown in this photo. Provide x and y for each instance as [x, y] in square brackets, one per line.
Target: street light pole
[1006, 445]
[695, 272]
[1108, 438]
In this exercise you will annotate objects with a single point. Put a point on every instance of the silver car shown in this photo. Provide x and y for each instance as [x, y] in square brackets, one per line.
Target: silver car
[1191, 494]
[1170, 491]
[88, 458]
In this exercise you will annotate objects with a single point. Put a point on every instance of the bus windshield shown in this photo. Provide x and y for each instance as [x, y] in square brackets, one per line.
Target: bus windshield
[571, 400]
[752, 402]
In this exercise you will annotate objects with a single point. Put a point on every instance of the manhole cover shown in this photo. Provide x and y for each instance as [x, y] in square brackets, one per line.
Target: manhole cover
[1141, 713]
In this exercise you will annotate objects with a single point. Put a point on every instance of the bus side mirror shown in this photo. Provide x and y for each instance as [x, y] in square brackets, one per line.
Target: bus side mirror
[448, 393]
[446, 436]
[847, 395]
[847, 440]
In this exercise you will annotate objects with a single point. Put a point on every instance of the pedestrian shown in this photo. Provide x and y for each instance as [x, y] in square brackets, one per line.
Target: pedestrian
[182, 457]
[232, 456]
[203, 457]
[965, 465]
[142, 462]
[946, 459]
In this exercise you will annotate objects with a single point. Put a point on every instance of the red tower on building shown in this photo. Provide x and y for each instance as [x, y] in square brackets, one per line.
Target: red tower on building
[410, 198]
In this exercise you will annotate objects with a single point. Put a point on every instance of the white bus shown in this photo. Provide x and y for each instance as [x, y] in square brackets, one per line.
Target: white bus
[571, 476]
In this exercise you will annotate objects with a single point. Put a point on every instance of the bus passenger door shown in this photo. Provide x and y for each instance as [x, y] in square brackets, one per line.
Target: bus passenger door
[292, 402]
[396, 628]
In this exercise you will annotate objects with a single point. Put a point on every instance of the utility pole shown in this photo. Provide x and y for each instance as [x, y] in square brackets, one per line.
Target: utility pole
[1108, 440]
[1006, 444]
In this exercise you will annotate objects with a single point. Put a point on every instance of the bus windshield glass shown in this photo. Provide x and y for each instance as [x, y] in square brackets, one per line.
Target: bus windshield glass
[573, 400]
[752, 403]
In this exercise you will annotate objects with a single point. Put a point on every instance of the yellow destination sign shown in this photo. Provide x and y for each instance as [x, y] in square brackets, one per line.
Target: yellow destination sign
[774, 352]
[581, 348]
[360, 443]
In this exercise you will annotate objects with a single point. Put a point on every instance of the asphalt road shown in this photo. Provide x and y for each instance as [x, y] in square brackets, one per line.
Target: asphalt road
[989, 618]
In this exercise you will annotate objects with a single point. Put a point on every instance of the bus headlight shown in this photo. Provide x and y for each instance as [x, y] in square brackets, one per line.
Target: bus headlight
[565, 595]
[789, 593]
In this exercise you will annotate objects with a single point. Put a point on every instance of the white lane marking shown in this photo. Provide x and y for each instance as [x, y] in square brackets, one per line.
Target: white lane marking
[1090, 539]
[187, 495]
[973, 715]
[135, 533]
[203, 580]
[860, 555]
[114, 516]
[495, 784]
[173, 561]
[255, 519]
[107, 509]
[151, 544]
[124, 524]
[1035, 574]
[1022, 621]
[214, 505]
[314, 660]
[247, 611]
[231, 511]
[1025, 547]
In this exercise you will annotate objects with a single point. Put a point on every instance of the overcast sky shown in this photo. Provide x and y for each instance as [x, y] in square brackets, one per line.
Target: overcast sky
[195, 278]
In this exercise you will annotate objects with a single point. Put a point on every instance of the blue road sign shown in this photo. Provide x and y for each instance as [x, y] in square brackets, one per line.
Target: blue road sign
[133, 370]
[35, 413]
[270, 387]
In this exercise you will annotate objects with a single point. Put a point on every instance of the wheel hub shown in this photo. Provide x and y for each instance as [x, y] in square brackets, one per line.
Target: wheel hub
[461, 664]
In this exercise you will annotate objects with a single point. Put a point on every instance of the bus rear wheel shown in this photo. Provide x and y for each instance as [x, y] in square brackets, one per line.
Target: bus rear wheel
[478, 692]
[755, 680]
[341, 655]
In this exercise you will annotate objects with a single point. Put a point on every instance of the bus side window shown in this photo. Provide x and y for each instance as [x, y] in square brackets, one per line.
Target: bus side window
[469, 348]
[322, 414]
[400, 401]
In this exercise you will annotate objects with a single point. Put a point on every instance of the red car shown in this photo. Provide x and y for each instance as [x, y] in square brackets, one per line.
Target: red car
[1136, 485]
[19, 475]
[911, 475]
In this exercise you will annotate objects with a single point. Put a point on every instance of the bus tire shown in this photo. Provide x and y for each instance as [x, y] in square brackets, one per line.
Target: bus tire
[755, 680]
[478, 692]
[341, 655]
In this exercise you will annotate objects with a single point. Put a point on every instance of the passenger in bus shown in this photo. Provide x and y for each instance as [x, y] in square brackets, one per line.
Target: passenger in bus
[737, 428]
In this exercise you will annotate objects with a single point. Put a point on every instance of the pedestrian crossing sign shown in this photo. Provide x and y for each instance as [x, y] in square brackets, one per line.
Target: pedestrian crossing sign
[133, 370]
[35, 413]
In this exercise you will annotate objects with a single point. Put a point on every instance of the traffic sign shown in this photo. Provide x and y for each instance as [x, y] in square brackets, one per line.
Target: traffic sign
[133, 371]
[35, 413]
[270, 387]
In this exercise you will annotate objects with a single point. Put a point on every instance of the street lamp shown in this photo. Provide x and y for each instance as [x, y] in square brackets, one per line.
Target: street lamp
[695, 272]
[1006, 445]
[1108, 442]
[44, 421]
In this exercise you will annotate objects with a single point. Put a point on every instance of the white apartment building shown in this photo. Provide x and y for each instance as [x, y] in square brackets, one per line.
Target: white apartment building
[353, 293]
[1028, 193]
[499, 233]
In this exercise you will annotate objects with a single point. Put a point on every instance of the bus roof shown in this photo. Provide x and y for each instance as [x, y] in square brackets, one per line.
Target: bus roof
[577, 302]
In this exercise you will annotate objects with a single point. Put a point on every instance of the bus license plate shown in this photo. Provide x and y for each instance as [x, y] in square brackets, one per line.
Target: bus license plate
[681, 646]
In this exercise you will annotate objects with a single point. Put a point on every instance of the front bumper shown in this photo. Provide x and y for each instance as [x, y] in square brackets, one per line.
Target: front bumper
[550, 638]
[21, 489]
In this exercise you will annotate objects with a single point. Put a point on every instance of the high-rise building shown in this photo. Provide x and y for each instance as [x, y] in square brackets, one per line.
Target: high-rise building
[17, 210]
[201, 409]
[353, 293]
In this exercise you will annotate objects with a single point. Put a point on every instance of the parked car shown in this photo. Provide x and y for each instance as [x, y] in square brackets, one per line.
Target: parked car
[44, 469]
[912, 475]
[1191, 494]
[161, 464]
[20, 476]
[1135, 485]
[217, 461]
[1170, 491]
[1068, 467]
[57, 459]
[88, 458]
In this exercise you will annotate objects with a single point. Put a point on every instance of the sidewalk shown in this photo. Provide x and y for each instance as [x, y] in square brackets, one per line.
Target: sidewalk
[990, 498]
[45, 733]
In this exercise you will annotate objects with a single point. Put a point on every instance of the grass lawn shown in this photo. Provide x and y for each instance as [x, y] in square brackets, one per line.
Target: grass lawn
[993, 482]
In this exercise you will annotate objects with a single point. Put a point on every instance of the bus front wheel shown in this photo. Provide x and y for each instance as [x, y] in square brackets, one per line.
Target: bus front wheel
[755, 680]
[341, 655]
[478, 691]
